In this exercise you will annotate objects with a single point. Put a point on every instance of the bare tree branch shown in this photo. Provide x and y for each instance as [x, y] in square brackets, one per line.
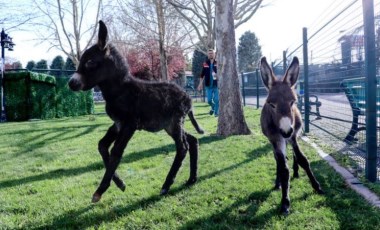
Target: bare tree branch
[204, 11]
[65, 22]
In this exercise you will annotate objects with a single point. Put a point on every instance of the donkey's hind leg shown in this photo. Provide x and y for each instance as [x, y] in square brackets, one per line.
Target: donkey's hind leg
[304, 163]
[193, 150]
[295, 167]
[177, 133]
[103, 147]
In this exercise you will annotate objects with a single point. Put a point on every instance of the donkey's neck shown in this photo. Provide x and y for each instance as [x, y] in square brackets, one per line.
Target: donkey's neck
[119, 72]
[113, 87]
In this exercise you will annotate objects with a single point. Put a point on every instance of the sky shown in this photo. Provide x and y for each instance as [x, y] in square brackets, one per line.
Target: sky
[277, 26]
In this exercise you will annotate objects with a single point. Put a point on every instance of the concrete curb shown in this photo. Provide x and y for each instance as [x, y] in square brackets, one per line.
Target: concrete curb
[352, 181]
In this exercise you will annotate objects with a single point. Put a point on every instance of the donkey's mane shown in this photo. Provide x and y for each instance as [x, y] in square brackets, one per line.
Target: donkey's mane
[120, 61]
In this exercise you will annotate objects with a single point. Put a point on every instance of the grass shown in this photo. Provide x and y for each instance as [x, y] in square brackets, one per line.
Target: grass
[348, 162]
[51, 168]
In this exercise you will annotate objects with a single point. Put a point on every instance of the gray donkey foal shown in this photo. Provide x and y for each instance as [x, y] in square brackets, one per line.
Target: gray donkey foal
[281, 122]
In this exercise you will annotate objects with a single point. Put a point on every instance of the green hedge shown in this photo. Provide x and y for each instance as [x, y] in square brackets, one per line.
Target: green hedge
[16, 96]
[71, 103]
[31, 95]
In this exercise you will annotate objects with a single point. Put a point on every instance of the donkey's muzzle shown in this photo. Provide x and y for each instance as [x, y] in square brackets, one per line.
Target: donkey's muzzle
[75, 84]
[286, 134]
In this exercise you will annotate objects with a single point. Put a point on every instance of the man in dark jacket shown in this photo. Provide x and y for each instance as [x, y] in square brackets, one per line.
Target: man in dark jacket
[210, 79]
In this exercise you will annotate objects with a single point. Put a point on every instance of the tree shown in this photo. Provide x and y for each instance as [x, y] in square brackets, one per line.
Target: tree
[20, 16]
[30, 65]
[199, 13]
[198, 59]
[144, 62]
[154, 21]
[42, 64]
[57, 63]
[161, 38]
[67, 24]
[13, 65]
[69, 64]
[249, 52]
[17, 65]
[231, 120]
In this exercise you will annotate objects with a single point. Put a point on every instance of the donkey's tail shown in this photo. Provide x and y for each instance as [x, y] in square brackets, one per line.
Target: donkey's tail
[195, 123]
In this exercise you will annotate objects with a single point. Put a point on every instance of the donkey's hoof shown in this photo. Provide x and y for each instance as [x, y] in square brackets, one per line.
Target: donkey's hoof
[122, 187]
[277, 187]
[296, 175]
[320, 191]
[191, 181]
[164, 191]
[96, 197]
[284, 211]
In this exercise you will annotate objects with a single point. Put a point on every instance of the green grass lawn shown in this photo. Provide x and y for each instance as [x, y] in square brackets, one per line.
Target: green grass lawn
[50, 170]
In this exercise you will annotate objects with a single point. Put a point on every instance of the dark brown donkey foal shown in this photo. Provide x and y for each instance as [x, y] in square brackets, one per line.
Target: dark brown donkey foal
[280, 122]
[134, 105]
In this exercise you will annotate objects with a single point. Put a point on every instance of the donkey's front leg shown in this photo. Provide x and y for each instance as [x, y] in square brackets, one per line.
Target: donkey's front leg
[304, 163]
[283, 173]
[116, 153]
[277, 183]
[103, 147]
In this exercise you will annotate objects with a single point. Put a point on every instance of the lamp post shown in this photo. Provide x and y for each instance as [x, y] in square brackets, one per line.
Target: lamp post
[6, 43]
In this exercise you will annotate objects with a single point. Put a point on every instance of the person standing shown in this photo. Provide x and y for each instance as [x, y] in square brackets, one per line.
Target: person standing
[209, 78]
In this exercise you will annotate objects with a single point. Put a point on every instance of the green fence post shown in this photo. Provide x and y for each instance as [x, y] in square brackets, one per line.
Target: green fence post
[257, 89]
[306, 80]
[284, 61]
[243, 90]
[370, 84]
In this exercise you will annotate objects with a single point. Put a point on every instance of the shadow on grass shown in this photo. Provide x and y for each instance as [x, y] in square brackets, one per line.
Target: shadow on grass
[60, 134]
[352, 211]
[128, 158]
[76, 219]
[246, 217]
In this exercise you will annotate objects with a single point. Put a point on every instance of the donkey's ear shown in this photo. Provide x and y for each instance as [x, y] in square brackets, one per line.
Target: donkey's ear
[102, 35]
[291, 75]
[267, 75]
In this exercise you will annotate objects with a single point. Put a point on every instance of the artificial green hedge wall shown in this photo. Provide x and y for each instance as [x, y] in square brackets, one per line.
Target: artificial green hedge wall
[71, 103]
[31, 95]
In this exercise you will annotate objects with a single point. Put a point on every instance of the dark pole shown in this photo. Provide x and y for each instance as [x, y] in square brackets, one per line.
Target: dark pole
[257, 90]
[2, 115]
[284, 61]
[370, 85]
[306, 80]
[243, 87]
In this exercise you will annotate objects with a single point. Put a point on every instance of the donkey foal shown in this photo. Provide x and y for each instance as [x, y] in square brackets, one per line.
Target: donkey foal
[134, 105]
[280, 123]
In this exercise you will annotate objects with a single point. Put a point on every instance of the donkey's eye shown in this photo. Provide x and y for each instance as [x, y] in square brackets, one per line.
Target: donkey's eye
[292, 103]
[272, 105]
[90, 64]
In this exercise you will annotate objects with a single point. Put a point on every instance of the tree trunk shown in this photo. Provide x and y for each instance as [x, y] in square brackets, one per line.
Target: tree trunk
[231, 116]
[161, 35]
